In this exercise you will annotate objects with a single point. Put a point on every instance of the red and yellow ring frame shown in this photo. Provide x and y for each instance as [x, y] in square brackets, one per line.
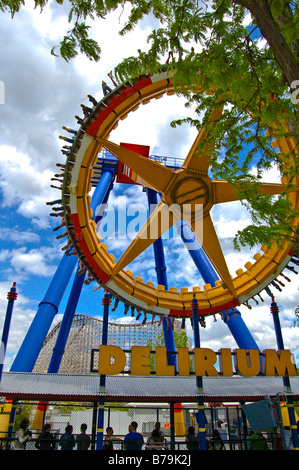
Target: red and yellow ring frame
[131, 289]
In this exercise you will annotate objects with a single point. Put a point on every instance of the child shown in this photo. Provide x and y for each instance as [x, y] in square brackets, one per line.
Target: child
[108, 441]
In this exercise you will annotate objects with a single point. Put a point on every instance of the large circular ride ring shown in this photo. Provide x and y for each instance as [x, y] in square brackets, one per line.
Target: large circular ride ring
[92, 136]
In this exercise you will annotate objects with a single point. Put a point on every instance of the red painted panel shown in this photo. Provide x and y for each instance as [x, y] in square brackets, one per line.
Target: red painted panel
[123, 171]
[94, 126]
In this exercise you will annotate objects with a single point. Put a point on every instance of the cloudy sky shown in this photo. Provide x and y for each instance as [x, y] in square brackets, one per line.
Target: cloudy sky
[43, 93]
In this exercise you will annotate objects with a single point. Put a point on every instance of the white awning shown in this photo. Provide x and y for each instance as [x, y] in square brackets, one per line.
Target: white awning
[64, 387]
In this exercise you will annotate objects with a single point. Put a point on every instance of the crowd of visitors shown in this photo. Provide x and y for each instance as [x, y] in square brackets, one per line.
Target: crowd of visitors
[134, 440]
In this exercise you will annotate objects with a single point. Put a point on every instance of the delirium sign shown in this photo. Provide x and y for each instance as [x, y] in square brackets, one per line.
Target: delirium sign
[112, 360]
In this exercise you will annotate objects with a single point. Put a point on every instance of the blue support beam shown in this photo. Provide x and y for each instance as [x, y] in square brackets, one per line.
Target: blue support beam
[201, 419]
[47, 309]
[11, 296]
[100, 196]
[100, 429]
[162, 279]
[232, 317]
[66, 324]
[32, 344]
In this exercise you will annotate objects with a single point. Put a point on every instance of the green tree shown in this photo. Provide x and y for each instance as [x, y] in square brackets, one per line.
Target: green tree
[180, 341]
[207, 44]
[24, 410]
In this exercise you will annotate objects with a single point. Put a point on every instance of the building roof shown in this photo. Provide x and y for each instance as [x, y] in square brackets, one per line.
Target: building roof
[86, 387]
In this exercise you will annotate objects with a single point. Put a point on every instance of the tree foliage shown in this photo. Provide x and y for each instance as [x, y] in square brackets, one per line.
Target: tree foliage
[215, 57]
[180, 341]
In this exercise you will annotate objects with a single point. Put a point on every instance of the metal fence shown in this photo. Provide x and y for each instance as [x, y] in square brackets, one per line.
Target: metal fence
[118, 445]
[229, 421]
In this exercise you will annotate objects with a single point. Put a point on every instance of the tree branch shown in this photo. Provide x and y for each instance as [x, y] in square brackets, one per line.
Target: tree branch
[260, 9]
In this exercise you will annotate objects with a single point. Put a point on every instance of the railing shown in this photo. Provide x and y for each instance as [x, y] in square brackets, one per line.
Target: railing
[118, 445]
[172, 162]
[230, 422]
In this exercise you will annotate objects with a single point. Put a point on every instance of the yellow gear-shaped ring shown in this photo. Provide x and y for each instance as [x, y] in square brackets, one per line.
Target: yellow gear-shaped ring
[176, 188]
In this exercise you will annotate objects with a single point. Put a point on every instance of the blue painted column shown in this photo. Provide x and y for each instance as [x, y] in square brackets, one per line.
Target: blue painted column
[197, 254]
[106, 301]
[162, 280]
[102, 191]
[47, 309]
[286, 380]
[66, 324]
[231, 317]
[100, 196]
[201, 420]
[11, 296]
[32, 344]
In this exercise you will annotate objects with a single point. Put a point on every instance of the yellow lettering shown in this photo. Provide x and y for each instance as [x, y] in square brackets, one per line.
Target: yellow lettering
[278, 363]
[205, 359]
[112, 361]
[247, 362]
[140, 360]
[105, 355]
[161, 363]
[225, 362]
[183, 361]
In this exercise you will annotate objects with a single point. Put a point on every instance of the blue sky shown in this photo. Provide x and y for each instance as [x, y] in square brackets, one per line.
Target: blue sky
[43, 93]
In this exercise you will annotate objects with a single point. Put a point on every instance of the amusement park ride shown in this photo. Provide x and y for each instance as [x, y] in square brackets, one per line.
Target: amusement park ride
[95, 161]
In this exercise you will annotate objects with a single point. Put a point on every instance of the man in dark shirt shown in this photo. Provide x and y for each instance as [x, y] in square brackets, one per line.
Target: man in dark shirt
[133, 440]
[45, 440]
[83, 440]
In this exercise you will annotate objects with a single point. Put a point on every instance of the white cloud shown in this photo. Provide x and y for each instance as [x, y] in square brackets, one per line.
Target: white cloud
[41, 22]
[230, 221]
[247, 20]
[17, 236]
[127, 319]
[34, 261]
[24, 185]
